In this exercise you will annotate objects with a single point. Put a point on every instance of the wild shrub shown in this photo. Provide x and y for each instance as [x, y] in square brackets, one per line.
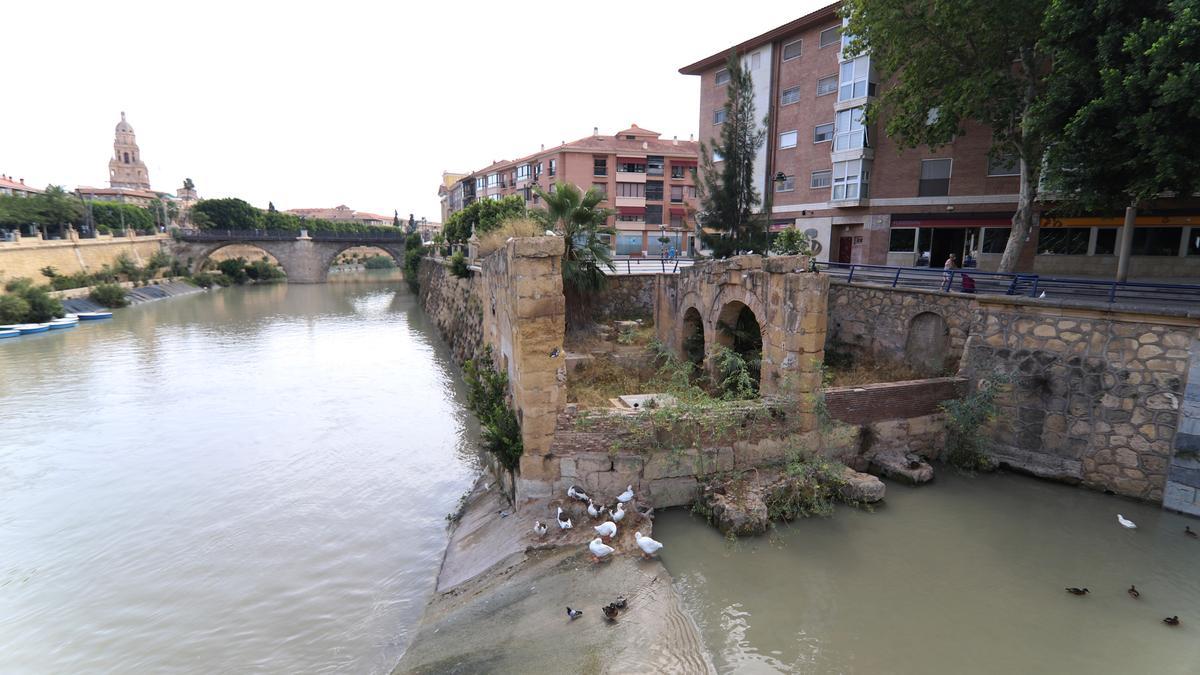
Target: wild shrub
[487, 396]
[108, 295]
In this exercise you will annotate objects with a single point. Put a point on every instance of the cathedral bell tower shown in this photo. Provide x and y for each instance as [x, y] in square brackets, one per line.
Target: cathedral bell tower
[126, 169]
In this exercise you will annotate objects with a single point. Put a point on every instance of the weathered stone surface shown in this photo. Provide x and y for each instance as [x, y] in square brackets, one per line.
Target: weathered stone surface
[900, 466]
[862, 488]
[667, 492]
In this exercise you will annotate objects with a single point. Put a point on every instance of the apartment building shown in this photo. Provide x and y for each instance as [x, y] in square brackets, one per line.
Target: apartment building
[647, 182]
[869, 202]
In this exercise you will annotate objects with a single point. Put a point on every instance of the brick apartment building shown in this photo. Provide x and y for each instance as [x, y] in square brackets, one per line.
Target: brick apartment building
[871, 203]
[647, 182]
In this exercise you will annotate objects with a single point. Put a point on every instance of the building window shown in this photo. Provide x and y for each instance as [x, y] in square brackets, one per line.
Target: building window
[755, 60]
[788, 139]
[677, 171]
[1004, 165]
[827, 85]
[722, 76]
[676, 194]
[789, 96]
[631, 166]
[855, 76]
[850, 134]
[791, 50]
[850, 179]
[599, 166]
[995, 239]
[493, 180]
[719, 116]
[904, 240]
[654, 190]
[537, 170]
[831, 36]
[1160, 241]
[553, 167]
[631, 190]
[524, 171]
[821, 179]
[691, 191]
[935, 178]
[788, 185]
[717, 156]
[823, 133]
[1106, 240]
[480, 183]
[654, 165]
[630, 218]
[602, 188]
[1064, 240]
[654, 214]
[676, 221]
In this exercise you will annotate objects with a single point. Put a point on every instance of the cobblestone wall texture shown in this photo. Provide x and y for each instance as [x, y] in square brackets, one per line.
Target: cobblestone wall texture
[454, 306]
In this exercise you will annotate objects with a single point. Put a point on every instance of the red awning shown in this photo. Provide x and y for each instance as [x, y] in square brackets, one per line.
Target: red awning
[684, 162]
[631, 160]
[678, 211]
[631, 210]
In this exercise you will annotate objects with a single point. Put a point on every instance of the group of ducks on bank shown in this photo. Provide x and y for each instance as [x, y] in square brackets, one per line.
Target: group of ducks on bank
[1132, 590]
[606, 531]
[611, 610]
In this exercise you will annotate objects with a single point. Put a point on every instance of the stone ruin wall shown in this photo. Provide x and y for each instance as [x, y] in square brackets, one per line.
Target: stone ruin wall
[455, 307]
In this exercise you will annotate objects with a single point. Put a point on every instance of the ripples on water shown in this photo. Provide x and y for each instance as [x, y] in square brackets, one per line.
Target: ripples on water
[246, 480]
[965, 575]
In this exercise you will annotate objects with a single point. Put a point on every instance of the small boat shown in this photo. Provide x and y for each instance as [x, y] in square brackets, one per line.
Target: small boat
[11, 332]
[30, 328]
[60, 324]
[94, 316]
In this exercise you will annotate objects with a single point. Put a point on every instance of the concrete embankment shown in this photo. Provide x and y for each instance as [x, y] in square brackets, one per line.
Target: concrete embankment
[79, 302]
[502, 595]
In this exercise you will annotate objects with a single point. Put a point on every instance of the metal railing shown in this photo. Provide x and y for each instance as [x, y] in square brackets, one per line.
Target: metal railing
[289, 235]
[971, 280]
[626, 266]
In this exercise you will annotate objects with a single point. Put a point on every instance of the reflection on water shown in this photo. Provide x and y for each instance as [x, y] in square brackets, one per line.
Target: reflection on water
[965, 575]
[249, 479]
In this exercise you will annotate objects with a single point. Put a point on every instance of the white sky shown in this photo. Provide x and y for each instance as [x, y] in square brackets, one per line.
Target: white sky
[359, 103]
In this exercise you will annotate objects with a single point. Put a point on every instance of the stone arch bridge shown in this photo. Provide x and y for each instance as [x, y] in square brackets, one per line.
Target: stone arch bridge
[305, 258]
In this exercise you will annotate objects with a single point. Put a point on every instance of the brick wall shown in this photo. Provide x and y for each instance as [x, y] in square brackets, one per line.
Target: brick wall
[892, 400]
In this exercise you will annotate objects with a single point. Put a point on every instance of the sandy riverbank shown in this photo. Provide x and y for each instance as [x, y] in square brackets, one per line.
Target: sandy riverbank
[502, 593]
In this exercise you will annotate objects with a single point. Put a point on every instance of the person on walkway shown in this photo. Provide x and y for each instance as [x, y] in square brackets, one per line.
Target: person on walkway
[951, 264]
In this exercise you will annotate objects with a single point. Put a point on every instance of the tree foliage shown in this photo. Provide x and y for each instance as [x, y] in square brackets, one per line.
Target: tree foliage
[229, 213]
[116, 215]
[487, 396]
[54, 207]
[482, 216]
[38, 305]
[947, 65]
[728, 197]
[580, 220]
[1122, 95]
[791, 241]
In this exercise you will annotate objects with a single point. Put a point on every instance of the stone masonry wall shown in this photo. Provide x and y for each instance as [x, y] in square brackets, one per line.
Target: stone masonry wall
[1094, 396]
[1183, 477]
[27, 258]
[455, 307]
[626, 297]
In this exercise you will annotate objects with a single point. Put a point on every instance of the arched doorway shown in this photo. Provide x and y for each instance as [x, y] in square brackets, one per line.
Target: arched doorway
[693, 337]
[927, 344]
[739, 331]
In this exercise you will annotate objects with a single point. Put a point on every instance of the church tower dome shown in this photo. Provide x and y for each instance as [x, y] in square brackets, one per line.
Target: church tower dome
[126, 168]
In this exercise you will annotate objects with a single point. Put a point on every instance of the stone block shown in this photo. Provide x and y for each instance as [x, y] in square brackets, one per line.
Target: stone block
[566, 467]
[537, 247]
[538, 468]
[861, 488]
[630, 465]
[592, 462]
[678, 491]
[1179, 497]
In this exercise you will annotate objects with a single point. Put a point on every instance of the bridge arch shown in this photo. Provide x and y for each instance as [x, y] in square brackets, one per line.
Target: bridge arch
[304, 260]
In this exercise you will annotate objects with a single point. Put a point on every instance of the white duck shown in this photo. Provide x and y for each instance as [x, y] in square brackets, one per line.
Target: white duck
[626, 496]
[649, 546]
[1126, 523]
[539, 528]
[599, 549]
[593, 511]
[607, 529]
[564, 521]
[575, 493]
[619, 513]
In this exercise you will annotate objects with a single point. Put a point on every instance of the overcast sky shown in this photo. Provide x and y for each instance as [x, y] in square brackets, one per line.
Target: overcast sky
[359, 103]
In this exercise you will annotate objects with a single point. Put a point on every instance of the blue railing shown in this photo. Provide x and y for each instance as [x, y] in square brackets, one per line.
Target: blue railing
[1029, 285]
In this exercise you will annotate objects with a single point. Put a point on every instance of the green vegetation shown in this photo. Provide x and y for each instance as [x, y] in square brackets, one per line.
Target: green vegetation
[791, 241]
[727, 194]
[36, 302]
[966, 417]
[232, 213]
[481, 216]
[580, 220]
[380, 262]
[116, 216]
[458, 265]
[108, 295]
[810, 487]
[52, 208]
[736, 379]
[487, 396]
[413, 250]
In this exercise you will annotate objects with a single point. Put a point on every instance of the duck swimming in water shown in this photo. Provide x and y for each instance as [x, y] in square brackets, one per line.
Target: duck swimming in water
[1187, 529]
[1077, 591]
[1171, 620]
[1133, 592]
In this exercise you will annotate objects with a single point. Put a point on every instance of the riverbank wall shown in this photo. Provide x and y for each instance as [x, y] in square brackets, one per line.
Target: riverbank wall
[27, 257]
[455, 305]
[76, 299]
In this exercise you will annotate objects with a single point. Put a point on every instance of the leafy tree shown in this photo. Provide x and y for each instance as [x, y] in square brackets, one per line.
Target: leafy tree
[727, 194]
[116, 215]
[57, 207]
[951, 64]
[580, 220]
[791, 241]
[234, 269]
[413, 251]
[13, 309]
[108, 295]
[229, 213]
[40, 306]
[1122, 90]
[482, 216]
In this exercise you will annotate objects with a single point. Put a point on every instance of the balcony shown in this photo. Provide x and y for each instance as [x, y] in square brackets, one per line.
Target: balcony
[630, 177]
[630, 201]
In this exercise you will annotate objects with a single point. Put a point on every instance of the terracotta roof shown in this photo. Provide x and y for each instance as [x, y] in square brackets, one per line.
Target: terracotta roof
[6, 182]
[654, 145]
[807, 21]
[635, 130]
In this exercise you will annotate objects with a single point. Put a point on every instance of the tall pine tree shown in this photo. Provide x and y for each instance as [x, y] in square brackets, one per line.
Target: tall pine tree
[727, 194]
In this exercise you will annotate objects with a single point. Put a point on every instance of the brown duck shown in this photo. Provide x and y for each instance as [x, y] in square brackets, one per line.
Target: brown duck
[1077, 591]
[1133, 592]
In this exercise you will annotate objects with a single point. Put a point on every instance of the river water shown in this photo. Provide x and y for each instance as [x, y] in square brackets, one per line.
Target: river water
[248, 480]
[964, 575]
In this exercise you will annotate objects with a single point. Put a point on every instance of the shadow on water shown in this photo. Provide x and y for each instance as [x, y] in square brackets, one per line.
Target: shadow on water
[248, 479]
[962, 575]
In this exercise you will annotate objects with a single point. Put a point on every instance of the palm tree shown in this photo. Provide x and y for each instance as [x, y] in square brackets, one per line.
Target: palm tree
[580, 221]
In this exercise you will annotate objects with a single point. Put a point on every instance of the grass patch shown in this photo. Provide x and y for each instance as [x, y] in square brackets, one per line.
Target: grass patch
[859, 370]
[602, 378]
